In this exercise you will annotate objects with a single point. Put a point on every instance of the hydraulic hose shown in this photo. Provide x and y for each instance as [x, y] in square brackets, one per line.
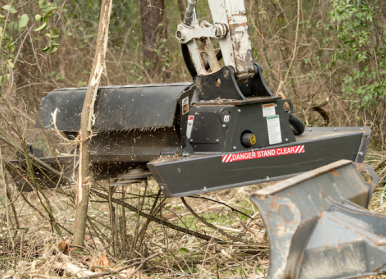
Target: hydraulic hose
[297, 125]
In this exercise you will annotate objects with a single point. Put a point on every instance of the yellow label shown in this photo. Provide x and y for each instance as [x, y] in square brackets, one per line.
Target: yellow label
[252, 139]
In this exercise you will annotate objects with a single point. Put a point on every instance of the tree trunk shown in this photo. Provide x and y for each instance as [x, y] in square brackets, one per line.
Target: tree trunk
[84, 179]
[153, 32]
[182, 8]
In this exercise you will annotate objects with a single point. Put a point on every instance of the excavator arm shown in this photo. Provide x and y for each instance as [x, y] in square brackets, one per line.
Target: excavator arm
[230, 28]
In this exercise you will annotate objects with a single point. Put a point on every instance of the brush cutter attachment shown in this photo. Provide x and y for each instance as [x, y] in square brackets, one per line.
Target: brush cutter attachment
[224, 130]
[193, 138]
[318, 226]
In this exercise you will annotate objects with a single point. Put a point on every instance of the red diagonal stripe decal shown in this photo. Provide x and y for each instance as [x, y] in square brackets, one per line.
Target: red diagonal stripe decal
[258, 154]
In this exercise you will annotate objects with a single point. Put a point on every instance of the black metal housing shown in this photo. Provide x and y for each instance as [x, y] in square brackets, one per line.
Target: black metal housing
[218, 127]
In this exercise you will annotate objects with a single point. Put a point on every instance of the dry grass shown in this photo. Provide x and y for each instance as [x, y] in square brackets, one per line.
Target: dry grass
[35, 251]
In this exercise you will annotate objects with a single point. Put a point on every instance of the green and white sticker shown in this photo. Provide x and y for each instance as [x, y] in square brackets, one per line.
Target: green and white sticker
[274, 131]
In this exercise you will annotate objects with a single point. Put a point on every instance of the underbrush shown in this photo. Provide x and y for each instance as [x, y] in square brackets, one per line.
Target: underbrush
[121, 243]
[32, 249]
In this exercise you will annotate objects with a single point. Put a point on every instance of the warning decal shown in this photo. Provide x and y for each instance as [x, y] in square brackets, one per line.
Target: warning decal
[234, 157]
[274, 131]
[269, 110]
[185, 105]
[190, 126]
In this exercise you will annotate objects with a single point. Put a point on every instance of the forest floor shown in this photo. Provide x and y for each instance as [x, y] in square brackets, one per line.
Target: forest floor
[36, 250]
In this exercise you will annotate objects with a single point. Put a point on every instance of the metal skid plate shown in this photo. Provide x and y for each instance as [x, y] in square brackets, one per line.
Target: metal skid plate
[318, 227]
[201, 173]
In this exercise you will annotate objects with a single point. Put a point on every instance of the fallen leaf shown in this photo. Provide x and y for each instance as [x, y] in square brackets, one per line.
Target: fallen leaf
[104, 261]
[93, 263]
[63, 247]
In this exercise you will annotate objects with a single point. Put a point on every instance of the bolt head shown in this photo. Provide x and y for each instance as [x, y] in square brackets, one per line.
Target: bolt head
[180, 35]
[239, 110]
[226, 73]
[234, 147]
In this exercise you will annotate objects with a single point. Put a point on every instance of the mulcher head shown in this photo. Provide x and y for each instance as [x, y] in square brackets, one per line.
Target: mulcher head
[193, 138]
